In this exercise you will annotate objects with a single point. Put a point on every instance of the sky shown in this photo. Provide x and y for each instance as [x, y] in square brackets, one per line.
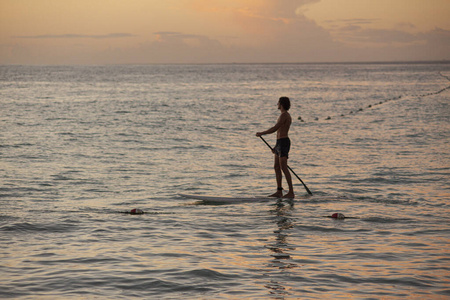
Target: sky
[222, 31]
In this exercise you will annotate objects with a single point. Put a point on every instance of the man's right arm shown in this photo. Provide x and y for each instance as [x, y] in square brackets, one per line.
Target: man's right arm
[277, 126]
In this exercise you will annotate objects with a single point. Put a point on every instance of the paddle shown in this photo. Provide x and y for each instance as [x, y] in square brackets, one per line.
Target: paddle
[309, 192]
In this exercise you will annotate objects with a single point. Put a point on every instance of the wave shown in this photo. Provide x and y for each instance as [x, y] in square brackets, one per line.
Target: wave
[26, 227]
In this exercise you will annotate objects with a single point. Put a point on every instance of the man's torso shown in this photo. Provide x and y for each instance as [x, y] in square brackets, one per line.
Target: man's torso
[286, 120]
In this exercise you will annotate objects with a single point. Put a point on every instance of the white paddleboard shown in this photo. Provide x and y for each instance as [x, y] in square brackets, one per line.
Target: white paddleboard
[228, 199]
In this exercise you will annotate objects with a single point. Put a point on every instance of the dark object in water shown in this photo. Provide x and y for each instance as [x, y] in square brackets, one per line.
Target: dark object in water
[136, 211]
[338, 216]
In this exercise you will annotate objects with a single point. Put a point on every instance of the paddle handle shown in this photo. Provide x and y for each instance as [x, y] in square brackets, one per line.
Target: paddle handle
[266, 143]
[306, 188]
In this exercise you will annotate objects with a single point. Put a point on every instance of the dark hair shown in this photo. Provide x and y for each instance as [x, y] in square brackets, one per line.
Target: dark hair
[285, 102]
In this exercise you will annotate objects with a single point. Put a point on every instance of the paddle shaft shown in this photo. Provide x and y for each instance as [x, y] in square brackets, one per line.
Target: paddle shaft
[309, 192]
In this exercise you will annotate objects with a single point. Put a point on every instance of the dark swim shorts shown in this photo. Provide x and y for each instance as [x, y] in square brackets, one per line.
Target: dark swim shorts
[282, 147]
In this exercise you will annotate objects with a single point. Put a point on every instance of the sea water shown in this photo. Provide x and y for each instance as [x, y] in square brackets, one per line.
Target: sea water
[81, 145]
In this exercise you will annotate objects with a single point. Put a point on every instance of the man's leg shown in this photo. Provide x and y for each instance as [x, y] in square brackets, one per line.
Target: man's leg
[284, 167]
[278, 177]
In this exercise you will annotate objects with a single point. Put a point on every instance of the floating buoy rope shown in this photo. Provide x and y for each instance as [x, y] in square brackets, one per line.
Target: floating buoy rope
[370, 106]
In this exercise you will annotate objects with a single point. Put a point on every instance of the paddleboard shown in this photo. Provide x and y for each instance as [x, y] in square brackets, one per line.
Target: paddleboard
[228, 199]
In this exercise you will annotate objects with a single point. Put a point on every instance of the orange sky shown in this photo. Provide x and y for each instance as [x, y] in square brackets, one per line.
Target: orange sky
[209, 31]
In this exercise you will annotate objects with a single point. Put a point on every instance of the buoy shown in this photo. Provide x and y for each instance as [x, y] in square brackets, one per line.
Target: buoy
[338, 216]
[136, 211]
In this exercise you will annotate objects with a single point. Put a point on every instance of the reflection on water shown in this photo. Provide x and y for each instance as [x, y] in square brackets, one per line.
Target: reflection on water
[280, 247]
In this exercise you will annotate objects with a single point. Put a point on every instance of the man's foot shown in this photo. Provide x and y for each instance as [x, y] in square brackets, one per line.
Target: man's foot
[289, 195]
[278, 194]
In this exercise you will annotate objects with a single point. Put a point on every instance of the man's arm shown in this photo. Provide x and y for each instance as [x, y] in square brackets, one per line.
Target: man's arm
[280, 122]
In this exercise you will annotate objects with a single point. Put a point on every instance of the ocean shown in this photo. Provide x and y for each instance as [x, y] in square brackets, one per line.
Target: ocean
[81, 146]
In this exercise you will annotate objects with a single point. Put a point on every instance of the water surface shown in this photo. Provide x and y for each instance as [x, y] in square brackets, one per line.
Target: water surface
[82, 144]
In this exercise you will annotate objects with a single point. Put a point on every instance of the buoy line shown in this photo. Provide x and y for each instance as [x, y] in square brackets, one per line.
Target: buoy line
[370, 106]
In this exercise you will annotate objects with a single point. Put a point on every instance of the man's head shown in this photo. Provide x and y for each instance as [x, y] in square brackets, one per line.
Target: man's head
[285, 102]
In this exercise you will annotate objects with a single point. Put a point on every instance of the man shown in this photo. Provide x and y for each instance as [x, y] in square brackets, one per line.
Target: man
[281, 149]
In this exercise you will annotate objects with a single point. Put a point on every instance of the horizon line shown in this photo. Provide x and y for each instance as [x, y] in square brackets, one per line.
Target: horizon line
[442, 61]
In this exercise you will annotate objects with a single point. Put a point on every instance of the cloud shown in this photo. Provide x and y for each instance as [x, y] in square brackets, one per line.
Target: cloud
[406, 26]
[170, 47]
[354, 21]
[356, 36]
[165, 39]
[266, 31]
[372, 36]
[76, 36]
[364, 33]
[437, 36]
[166, 36]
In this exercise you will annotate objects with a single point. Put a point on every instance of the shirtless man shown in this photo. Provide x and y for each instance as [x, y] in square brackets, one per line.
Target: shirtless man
[281, 149]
